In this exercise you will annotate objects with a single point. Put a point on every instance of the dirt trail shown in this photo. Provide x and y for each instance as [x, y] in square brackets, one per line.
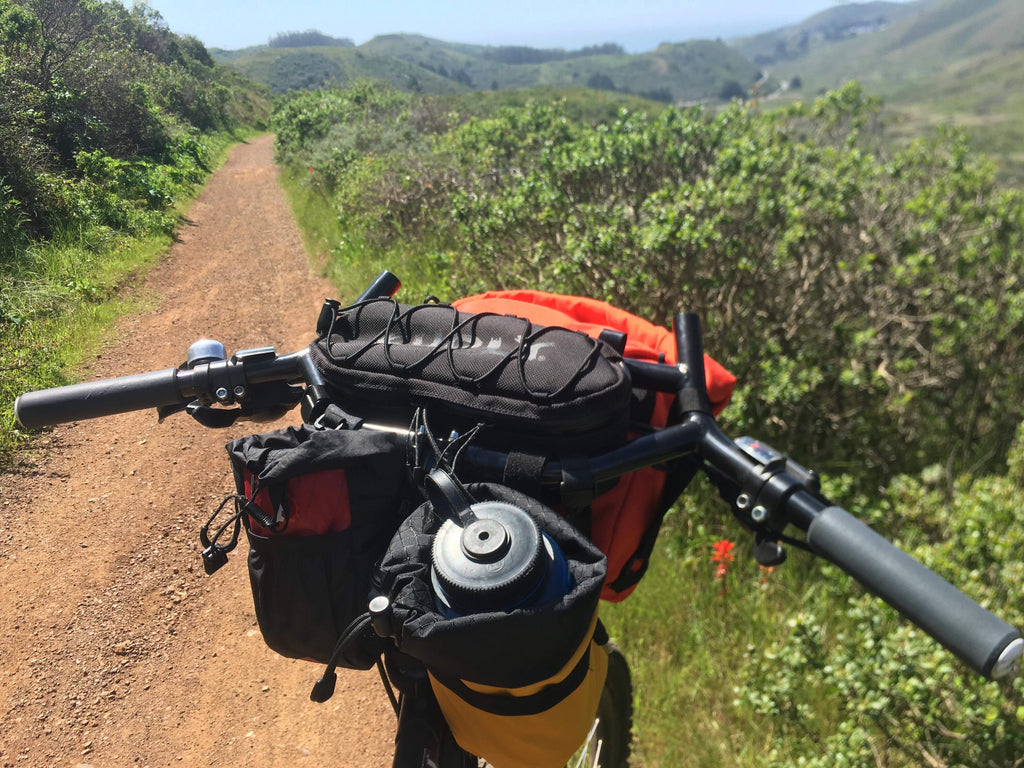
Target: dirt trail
[115, 648]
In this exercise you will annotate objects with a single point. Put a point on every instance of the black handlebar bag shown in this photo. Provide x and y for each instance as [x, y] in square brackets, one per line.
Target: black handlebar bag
[519, 688]
[543, 389]
[320, 509]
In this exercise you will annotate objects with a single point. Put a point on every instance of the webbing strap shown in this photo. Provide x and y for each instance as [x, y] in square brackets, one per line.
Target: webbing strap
[523, 471]
[515, 706]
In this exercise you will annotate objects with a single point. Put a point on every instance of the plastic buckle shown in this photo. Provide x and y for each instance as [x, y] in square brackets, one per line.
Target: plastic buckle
[215, 557]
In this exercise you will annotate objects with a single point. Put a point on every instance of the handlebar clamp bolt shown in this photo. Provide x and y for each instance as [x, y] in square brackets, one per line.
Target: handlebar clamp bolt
[742, 501]
[221, 394]
[759, 514]
[239, 391]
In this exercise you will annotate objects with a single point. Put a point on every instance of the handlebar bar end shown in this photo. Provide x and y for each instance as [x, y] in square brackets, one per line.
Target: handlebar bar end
[983, 641]
[1008, 660]
[17, 416]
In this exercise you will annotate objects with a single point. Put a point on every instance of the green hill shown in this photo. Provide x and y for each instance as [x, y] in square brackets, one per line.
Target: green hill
[837, 24]
[930, 49]
[691, 71]
[934, 61]
[289, 69]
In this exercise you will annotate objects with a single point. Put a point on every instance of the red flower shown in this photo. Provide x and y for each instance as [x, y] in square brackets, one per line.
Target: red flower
[723, 556]
[723, 552]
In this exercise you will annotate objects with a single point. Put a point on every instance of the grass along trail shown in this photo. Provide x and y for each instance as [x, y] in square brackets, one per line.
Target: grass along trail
[117, 649]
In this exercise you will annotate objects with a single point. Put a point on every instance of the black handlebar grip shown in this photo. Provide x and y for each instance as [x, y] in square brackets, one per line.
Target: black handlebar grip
[91, 399]
[983, 641]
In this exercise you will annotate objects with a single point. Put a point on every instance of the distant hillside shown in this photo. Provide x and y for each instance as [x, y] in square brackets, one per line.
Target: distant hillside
[938, 41]
[306, 39]
[843, 22]
[692, 71]
[288, 69]
[942, 61]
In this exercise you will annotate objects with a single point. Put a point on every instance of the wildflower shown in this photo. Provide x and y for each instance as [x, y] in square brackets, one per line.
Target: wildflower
[723, 556]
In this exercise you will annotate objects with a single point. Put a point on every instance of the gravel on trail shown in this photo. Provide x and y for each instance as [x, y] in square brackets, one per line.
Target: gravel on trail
[116, 649]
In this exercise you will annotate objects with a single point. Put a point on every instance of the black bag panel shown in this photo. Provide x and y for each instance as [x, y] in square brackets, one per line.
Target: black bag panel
[435, 342]
[507, 650]
[308, 588]
[274, 457]
[530, 380]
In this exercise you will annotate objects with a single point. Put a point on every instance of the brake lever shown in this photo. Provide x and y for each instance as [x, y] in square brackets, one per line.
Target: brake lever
[213, 418]
[271, 401]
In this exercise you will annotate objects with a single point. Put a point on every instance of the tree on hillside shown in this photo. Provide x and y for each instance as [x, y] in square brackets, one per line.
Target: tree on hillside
[601, 82]
[658, 94]
[732, 89]
[462, 76]
[308, 39]
[79, 77]
[522, 54]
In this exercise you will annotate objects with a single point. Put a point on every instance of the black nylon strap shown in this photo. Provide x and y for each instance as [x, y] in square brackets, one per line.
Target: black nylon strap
[523, 471]
[601, 634]
[690, 400]
[515, 706]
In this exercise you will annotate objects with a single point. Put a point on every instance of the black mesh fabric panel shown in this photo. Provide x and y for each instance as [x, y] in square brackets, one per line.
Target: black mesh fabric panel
[382, 359]
[508, 650]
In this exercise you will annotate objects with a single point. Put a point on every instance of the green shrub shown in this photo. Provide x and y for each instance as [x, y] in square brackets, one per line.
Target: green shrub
[106, 117]
[12, 217]
[83, 76]
[851, 683]
[135, 196]
[870, 301]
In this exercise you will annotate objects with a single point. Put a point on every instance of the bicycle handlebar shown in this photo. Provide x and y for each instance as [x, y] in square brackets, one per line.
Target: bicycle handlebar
[773, 485]
[983, 641]
[978, 637]
[227, 382]
[97, 398]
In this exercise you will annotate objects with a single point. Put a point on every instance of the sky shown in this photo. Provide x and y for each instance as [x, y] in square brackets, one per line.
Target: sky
[637, 25]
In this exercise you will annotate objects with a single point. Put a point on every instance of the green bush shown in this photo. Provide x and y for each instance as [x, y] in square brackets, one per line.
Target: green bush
[88, 76]
[106, 118]
[870, 300]
[854, 684]
[137, 196]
